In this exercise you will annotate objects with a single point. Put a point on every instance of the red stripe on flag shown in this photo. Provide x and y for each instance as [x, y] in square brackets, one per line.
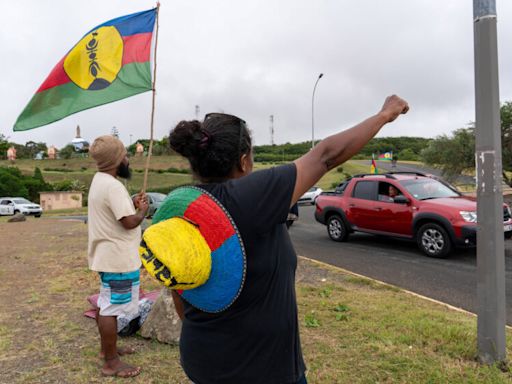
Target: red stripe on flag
[137, 48]
[56, 77]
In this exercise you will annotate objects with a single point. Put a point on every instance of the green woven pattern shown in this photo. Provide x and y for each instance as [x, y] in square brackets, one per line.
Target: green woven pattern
[176, 203]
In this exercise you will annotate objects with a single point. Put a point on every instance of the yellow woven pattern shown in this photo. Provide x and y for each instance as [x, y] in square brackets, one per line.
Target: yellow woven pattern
[179, 247]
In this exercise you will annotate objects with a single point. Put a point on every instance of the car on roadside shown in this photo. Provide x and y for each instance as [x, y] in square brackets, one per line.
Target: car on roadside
[155, 200]
[310, 196]
[6, 209]
[421, 208]
[22, 205]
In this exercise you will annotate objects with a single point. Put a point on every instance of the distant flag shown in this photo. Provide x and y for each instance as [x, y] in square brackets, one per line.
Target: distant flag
[386, 156]
[373, 166]
[111, 62]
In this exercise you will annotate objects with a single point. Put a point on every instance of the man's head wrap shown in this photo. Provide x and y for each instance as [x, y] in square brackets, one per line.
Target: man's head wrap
[108, 152]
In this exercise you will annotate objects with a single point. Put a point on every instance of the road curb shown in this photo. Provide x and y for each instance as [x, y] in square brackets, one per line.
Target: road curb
[449, 306]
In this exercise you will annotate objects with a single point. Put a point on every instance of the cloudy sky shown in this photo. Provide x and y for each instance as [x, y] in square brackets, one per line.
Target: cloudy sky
[256, 58]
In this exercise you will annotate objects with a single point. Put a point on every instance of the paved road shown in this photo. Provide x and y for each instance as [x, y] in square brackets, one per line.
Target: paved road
[398, 262]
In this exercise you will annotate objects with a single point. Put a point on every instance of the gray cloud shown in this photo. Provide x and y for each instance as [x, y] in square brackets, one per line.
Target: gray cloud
[255, 58]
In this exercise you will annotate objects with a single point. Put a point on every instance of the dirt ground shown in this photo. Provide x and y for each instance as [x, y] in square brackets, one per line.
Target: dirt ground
[45, 282]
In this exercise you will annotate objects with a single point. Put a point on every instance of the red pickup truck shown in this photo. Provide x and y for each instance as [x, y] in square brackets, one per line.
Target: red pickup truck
[407, 205]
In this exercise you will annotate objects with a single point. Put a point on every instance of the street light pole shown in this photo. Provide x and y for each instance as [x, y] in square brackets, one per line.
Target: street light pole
[490, 244]
[313, 112]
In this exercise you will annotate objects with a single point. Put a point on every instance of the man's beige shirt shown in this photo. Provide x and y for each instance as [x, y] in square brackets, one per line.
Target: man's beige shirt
[112, 248]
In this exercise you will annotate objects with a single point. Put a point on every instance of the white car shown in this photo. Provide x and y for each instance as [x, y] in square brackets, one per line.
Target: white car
[311, 195]
[22, 205]
[6, 209]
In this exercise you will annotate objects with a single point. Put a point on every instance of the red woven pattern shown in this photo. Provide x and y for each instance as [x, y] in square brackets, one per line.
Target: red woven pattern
[212, 221]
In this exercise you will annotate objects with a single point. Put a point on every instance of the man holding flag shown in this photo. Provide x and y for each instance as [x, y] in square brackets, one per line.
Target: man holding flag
[114, 237]
[111, 62]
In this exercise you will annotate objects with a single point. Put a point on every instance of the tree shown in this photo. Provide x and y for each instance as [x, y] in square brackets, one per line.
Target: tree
[452, 154]
[456, 153]
[4, 146]
[506, 138]
[406, 154]
[11, 182]
[14, 183]
[38, 175]
[67, 151]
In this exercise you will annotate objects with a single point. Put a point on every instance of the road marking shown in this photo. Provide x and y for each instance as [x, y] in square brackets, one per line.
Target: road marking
[346, 271]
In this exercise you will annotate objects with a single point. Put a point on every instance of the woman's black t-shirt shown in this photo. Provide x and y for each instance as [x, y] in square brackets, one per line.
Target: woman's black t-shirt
[256, 340]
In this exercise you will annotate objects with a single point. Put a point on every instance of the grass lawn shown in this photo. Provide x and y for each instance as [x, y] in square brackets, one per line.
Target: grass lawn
[353, 330]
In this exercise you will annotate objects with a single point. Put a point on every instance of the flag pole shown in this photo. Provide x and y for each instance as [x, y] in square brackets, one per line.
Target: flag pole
[150, 149]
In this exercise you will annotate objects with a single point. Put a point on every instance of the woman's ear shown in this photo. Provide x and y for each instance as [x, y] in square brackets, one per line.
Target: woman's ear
[246, 163]
[243, 163]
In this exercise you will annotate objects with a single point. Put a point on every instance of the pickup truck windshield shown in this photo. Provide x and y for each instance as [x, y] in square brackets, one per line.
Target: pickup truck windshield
[428, 189]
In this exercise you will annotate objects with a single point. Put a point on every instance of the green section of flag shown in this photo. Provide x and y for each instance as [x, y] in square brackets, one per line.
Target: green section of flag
[58, 102]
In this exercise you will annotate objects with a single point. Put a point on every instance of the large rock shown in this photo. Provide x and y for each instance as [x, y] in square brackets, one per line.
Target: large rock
[17, 218]
[163, 323]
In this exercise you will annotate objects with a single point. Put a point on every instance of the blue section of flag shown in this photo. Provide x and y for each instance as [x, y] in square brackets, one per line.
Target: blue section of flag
[140, 22]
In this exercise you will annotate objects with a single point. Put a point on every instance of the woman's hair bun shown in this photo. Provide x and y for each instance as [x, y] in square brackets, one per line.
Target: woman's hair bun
[187, 138]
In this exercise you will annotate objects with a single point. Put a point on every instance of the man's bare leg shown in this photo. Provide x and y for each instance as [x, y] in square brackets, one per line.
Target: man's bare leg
[121, 351]
[107, 326]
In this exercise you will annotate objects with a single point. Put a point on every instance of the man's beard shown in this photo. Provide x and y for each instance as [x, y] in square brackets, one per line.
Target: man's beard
[124, 171]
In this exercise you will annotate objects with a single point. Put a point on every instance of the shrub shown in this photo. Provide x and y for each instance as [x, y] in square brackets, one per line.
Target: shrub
[58, 170]
[14, 183]
[178, 170]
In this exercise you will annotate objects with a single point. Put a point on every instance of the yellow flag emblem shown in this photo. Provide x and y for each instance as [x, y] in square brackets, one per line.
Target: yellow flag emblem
[96, 60]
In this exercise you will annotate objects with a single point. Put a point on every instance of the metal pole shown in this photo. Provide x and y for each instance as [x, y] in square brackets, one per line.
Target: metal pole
[313, 112]
[490, 241]
[271, 129]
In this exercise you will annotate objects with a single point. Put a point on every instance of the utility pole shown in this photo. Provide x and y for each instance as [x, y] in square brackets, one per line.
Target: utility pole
[490, 243]
[197, 112]
[271, 129]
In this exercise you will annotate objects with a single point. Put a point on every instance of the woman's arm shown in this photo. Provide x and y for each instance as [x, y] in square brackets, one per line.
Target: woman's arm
[178, 304]
[338, 148]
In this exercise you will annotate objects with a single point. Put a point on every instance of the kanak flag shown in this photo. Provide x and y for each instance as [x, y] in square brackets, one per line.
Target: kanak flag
[111, 62]
[386, 156]
[373, 167]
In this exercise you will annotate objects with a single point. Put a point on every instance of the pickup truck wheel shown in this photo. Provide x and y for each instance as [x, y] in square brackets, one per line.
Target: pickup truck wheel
[434, 241]
[337, 229]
